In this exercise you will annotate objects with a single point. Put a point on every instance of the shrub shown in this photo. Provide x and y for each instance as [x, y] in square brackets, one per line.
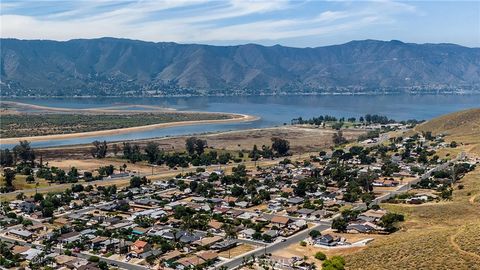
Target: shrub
[320, 256]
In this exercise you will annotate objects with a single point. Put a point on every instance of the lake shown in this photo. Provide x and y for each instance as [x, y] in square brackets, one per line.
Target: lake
[272, 110]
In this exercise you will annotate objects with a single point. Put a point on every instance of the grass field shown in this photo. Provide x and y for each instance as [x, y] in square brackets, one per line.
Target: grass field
[21, 183]
[22, 125]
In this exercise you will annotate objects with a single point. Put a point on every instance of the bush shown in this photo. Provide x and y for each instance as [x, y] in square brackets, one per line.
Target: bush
[334, 263]
[303, 243]
[94, 259]
[320, 256]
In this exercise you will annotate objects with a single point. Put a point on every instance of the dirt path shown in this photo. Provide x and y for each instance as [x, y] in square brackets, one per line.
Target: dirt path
[471, 200]
[457, 247]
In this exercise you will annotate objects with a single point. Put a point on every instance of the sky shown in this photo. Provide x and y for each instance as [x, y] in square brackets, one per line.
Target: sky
[298, 23]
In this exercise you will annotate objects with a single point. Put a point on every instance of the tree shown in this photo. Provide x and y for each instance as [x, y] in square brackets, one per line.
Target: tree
[314, 234]
[115, 149]
[338, 138]
[99, 150]
[25, 152]
[38, 197]
[193, 144]
[103, 265]
[339, 224]
[9, 176]
[30, 179]
[389, 220]
[131, 153]
[152, 151]
[281, 146]
[230, 231]
[6, 158]
[337, 125]
[190, 145]
[136, 181]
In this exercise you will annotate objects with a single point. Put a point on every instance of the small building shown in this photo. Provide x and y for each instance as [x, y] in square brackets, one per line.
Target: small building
[140, 247]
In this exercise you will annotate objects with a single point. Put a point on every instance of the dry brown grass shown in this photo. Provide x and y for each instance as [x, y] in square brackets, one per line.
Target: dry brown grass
[463, 122]
[443, 235]
[436, 235]
[236, 251]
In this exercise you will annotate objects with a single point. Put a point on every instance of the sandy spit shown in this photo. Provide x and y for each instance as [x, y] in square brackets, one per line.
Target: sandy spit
[236, 118]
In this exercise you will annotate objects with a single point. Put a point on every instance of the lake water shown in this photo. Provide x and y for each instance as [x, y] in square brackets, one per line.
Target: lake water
[272, 110]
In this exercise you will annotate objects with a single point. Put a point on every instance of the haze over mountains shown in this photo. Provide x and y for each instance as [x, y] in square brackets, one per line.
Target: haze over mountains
[119, 67]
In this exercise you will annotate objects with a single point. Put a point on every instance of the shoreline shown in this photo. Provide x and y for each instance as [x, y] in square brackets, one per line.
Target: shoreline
[236, 118]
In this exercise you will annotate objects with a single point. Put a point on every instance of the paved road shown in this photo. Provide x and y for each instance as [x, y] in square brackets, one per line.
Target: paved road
[407, 187]
[237, 261]
[83, 255]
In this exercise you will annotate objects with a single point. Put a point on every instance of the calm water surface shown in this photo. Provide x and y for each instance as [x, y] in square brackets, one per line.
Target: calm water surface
[272, 110]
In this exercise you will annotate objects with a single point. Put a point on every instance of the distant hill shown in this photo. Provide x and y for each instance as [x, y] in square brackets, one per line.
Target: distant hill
[109, 66]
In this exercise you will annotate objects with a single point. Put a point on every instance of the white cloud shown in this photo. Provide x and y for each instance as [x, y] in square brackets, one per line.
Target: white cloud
[193, 20]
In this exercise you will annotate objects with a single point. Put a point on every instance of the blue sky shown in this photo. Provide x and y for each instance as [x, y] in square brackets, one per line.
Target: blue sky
[299, 23]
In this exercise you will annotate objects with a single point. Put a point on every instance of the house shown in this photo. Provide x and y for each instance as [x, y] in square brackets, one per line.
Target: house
[170, 256]
[372, 215]
[191, 261]
[327, 240]
[295, 200]
[96, 242]
[215, 226]
[247, 233]
[358, 228]
[365, 227]
[207, 256]
[27, 207]
[318, 214]
[224, 245]
[89, 266]
[304, 212]
[207, 241]
[271, 233]
[69, 237]
[140, 247]
[280, 221]
[64, 259]
[275, 206]
[417, 199]
[22, 234]
[31, 254]
[19, 249]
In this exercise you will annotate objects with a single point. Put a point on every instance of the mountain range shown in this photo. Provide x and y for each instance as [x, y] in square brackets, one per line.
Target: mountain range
[122, 67]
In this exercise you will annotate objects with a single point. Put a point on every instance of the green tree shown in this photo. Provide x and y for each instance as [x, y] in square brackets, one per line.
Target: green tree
[152, 151]
[281, 146]
[9, 176]
[339, 224]
[25, 152]
[338, 138]
[30, 179]
[99, 149]
[314, 234]
[136, 181]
